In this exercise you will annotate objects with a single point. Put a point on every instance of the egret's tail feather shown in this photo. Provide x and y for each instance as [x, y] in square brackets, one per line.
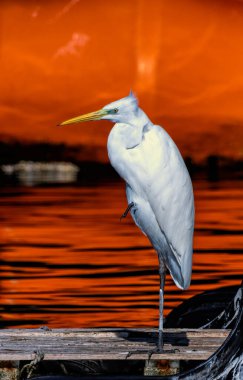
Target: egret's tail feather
[175, 268]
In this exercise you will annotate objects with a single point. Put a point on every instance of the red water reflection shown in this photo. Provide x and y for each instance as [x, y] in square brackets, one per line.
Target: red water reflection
[67, 261]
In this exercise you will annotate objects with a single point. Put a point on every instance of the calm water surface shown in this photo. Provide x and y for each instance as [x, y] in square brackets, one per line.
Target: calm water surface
[68, 261]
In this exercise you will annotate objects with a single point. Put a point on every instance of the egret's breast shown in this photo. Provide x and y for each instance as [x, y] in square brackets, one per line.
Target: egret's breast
[141, 165]
[150, 156]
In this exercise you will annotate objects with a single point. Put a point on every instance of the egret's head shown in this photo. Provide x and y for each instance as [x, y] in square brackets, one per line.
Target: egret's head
[121, 111]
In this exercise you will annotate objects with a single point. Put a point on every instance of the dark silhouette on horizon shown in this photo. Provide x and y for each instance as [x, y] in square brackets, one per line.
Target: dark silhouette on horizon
[13, 151]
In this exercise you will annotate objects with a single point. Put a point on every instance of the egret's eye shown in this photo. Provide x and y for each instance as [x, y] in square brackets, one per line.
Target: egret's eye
[112, 111]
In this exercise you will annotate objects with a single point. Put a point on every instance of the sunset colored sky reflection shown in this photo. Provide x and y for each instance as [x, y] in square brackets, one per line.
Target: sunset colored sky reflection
[183, 59]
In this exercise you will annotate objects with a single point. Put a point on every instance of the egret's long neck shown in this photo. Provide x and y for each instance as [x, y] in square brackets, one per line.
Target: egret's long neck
[141, 119]
[128, 135]
[123, 138]
[133, 134]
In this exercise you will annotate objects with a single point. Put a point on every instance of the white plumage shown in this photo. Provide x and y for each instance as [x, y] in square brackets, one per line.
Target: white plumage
[158, 186]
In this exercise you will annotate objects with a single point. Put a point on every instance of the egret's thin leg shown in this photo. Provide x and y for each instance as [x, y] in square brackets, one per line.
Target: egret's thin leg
[127, 210]
[161, 304]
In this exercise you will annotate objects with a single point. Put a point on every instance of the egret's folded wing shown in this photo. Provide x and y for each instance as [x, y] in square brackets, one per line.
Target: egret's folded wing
[171, 198]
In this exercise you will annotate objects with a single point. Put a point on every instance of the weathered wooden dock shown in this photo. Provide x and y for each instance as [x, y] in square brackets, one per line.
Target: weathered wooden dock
[107, 344]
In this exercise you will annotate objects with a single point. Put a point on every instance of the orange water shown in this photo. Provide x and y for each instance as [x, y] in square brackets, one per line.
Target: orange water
[68, 261]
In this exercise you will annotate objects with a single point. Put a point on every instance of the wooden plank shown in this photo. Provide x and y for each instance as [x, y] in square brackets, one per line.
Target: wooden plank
[112, 331]
[108, 344]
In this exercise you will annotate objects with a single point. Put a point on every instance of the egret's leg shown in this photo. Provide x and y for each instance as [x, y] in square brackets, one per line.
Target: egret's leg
[127, 210]
[161, 304]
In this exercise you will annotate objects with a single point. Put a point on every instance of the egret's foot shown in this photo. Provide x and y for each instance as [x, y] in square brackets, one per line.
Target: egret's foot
[160, 351]
[157, 350]
[129, 207]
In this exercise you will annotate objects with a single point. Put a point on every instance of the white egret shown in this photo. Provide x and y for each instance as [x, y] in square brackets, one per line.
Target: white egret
[158, 187]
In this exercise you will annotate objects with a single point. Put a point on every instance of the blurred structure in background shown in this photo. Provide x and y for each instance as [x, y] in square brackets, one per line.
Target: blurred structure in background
[31, 173]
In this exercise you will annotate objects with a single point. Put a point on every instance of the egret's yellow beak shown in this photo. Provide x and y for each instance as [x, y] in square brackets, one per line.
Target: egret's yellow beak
[97, 115]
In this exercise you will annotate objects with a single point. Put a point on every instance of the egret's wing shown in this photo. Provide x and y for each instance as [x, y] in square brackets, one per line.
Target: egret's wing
[164, 183]
[145, 219]
[171, 199]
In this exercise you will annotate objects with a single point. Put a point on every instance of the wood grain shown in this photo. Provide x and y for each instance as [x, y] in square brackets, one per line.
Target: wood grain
[108, 344]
